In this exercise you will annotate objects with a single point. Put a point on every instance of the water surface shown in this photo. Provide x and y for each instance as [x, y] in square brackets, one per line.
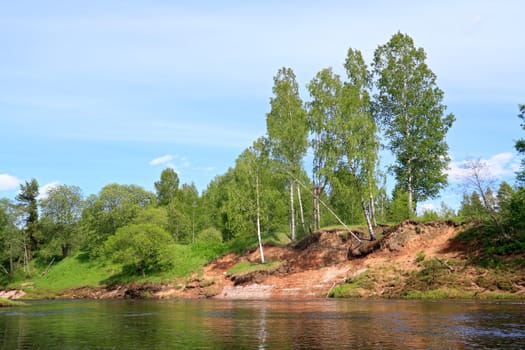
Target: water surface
[215, 324]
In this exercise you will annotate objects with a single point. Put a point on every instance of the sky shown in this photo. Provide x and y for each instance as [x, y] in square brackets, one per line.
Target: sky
[99, 92]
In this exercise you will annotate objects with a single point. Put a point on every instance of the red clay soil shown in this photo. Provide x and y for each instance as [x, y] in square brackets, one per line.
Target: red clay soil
[321, 261]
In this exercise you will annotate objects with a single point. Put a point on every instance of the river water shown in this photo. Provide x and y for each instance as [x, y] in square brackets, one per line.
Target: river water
[217, 324]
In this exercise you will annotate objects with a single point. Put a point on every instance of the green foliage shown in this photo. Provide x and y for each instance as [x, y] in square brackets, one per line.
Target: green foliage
[410, 109]
[420, 256]
[287, 121]
[515, 209]
[167, 187]
[245, 267]
[61, 213]
[116, 206]
[209, 235]
[141, 248]
[27, 198]
[398, 209]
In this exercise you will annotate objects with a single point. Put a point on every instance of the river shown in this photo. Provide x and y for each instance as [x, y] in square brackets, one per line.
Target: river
[217, 324]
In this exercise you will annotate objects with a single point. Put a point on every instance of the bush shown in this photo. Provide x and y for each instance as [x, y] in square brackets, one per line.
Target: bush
[209, 235]
[141, 248]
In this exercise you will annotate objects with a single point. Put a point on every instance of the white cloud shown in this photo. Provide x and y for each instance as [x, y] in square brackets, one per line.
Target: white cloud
[161, 160]
[8, 182]
[427, 207]
[499, 165]
[44, 190]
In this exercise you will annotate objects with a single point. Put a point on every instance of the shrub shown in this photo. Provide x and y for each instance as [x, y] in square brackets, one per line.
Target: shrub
[141, 248]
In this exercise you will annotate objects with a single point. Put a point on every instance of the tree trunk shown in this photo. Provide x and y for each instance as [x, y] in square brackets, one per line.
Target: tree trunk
[292, 212]
[373, 210]
[258, 218]
[368, 222]
[316, 209]
[301, 212]
[410, 190]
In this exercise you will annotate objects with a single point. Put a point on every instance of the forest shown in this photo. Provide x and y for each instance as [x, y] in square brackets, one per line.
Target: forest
[392, 103]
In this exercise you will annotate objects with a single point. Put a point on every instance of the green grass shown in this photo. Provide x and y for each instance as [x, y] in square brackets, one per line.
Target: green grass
[73, 272]
[7, 302]
[245, 267]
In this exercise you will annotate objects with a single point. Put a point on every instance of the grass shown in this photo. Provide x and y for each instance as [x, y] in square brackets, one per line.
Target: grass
[7, 303]
[245, 267]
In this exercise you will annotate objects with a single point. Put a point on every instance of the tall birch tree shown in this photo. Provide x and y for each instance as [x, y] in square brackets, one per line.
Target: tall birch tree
[356, 133]
[411, 113]
[287, 128]
[323, 110]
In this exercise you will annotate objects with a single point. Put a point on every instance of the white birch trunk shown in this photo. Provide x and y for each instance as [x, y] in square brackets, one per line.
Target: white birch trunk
[368, 222]
[292, 212]
[259, 218]
[301, 208]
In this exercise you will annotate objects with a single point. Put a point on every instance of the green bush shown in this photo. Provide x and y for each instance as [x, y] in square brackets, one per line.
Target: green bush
[141, 248]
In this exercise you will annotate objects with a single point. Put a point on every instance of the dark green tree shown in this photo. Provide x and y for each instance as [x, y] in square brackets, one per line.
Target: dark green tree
[287, 127]
[411, 113]
[27, 200]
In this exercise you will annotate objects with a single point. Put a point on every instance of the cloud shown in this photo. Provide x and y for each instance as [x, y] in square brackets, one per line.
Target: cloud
[427, 207]
[499, 165]
[8, 182]
[161, 160]
[44, 190]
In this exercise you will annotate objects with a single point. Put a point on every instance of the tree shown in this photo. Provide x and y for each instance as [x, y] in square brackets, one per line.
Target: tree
[27, 199]
[115, 206]
[520, 147]
[167, 187]
[182, 213]
[355, 134]
[61, 213]
[325, 90]
[411, 113]
[287, 128]
[252, 174]
[141, 248]
[11, 243]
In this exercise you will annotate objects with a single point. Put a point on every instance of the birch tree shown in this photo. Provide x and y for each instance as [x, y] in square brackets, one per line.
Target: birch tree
[356, 133]
[323, 110]
[411, 113]
[287, 128]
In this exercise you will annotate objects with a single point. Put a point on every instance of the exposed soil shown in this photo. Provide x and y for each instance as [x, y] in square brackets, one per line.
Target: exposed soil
[409, 257]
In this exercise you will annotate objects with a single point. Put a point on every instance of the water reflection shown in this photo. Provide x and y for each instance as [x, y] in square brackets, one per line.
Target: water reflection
[213, 324]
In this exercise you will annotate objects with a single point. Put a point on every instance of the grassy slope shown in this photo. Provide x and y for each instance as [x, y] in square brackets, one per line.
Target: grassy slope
[79, 271]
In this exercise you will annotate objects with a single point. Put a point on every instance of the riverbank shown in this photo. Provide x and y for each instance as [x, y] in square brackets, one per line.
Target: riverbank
[411, 260]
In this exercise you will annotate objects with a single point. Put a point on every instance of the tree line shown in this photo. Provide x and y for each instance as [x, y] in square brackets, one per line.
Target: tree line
[394, 104]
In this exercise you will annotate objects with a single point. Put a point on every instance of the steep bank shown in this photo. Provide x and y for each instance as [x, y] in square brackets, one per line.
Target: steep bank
[410, 260]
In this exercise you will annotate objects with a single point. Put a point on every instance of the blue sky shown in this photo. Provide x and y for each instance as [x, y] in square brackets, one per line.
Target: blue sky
[98, 92]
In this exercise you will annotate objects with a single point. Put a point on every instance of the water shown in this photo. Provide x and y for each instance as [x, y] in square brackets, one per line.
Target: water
[214, 324]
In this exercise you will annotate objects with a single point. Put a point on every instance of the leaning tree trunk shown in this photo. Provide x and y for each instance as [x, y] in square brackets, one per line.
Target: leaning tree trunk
[368, 222]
